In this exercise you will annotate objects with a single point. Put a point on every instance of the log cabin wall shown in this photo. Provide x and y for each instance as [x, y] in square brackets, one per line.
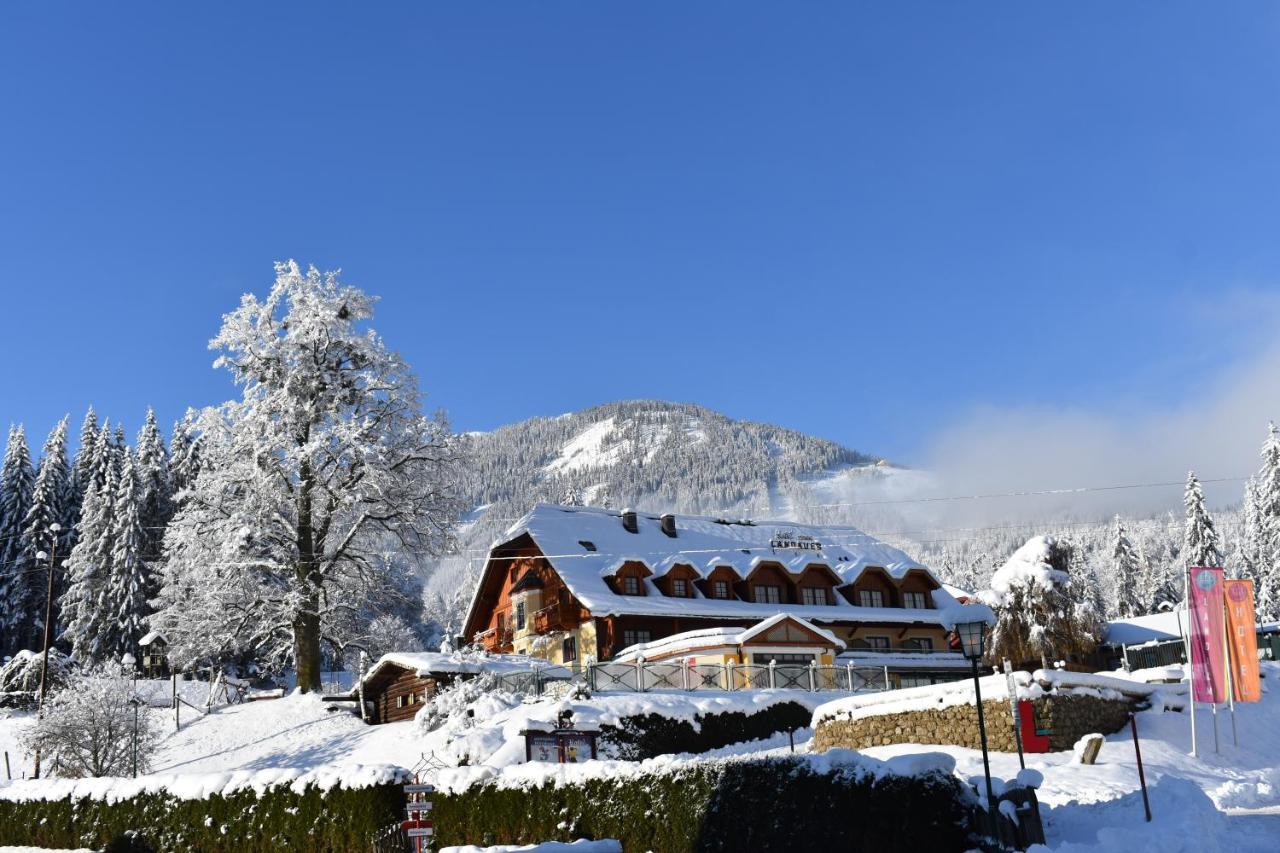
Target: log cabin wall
[389, 706]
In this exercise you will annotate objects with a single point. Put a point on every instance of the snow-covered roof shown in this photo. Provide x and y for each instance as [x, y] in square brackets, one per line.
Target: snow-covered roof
[706, 638]
[704, 543]
[472, 663]
[150, 637]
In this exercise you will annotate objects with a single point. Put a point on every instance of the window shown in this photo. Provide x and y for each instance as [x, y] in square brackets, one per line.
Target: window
[880, 644]
[513, 574]
[680, 588]
[519, 615]
[782, 658]
[813, 595]
[767, 594]
[916, 600]
[631, 585]
[569, 649]
[871, 598]
[720, 589]
[914, 680]
[399, 701]
[502, 624]
[630, 637]
[923, 644]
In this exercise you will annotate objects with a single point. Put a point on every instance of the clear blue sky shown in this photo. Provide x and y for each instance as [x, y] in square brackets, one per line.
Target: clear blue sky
[858, 220]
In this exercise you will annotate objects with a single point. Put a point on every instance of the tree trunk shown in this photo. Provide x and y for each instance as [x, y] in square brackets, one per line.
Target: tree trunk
[306, 648]
[306, 625]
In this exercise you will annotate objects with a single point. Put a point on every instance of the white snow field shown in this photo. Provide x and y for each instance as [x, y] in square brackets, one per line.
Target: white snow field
[1227, 799]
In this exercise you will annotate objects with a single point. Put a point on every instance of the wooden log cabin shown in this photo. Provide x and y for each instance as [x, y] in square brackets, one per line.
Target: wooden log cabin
[396, 687]
[574, 584]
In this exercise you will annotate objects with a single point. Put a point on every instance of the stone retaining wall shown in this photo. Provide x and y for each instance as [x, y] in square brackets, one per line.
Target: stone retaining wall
[1068, 716]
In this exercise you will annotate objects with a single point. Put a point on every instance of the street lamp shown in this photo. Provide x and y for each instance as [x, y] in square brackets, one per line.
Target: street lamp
[972, 640]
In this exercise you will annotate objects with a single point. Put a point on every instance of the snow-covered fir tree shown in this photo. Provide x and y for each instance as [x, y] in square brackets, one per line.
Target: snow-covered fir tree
[311, 483]
[1268, 489]
[48, 511]
[1127, 574]
[84, 611]
[84, 463]
[1248, 556]
[184, 454]
[1199, 538]
[154, 487]
[129, 582]
[16, 483]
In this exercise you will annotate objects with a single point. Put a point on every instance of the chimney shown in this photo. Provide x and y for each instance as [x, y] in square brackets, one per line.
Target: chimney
[668, 522]
[629, 522]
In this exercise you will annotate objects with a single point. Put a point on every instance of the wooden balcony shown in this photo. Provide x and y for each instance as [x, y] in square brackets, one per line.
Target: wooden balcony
[555, 617]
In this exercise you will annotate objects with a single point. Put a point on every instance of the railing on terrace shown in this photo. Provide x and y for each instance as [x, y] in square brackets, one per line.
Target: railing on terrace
[642, 676]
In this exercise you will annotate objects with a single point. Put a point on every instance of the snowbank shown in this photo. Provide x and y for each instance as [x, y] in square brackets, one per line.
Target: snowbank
[582, 845]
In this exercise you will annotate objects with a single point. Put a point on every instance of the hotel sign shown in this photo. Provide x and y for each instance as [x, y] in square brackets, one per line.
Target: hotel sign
[789, 540]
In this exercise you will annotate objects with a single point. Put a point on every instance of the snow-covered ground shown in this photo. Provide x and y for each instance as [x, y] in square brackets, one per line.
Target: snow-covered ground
[1224, 799]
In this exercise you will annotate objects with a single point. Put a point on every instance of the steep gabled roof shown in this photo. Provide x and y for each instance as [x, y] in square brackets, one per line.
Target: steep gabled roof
[704, 543]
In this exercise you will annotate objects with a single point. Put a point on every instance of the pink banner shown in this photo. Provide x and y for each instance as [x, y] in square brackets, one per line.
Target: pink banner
[1208, 655]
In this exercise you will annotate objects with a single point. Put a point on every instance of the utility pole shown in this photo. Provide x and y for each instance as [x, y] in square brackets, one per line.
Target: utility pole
[52, 557]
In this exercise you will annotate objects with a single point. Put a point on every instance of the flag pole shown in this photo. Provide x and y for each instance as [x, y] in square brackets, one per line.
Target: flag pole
[1191, 667]
[1231, 675]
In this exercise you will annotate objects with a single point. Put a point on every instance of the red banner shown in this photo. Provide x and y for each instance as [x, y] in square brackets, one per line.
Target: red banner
[1208, 654]
[1242, 639]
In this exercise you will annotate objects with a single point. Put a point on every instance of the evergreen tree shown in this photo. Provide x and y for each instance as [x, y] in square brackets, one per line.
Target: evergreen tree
[17, 481]
[1249, 556]
[129, 582]
[1127, 570]
[1199, 539]
[48, 511]
[184, 454]
[154, 484]
[89, 571]
[85, 463]
[1268, 490]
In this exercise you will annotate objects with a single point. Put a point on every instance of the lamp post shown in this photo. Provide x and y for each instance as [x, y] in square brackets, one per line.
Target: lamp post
[972, 640]
[52, 557]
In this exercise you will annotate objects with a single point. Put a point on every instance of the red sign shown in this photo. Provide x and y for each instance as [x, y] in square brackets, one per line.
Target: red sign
[407, 825]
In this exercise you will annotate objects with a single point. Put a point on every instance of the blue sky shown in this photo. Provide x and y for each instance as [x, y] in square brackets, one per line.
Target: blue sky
[859, 220]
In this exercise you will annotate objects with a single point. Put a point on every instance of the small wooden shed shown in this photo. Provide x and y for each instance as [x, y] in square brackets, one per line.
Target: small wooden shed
[400, 682]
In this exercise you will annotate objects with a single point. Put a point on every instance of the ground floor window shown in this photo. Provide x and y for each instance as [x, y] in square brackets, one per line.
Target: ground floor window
[923, 644]
[630, 637]
[914, 680]
[569, 649]
[781, 658]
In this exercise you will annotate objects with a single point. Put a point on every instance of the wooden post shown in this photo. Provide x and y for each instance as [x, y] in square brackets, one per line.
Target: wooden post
[177, 709]
[364, 717]
[1137, 752]
[7, 774]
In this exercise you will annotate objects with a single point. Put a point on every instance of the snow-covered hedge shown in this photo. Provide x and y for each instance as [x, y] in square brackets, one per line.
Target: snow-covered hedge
[301, 814]
[647, 735]
[838, 801]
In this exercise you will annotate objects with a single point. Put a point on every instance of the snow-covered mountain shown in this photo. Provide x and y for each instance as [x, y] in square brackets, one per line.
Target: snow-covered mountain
[656, 455]
[663, 457]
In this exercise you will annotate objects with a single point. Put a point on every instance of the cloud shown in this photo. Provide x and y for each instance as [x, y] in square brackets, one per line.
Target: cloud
[1216, 430]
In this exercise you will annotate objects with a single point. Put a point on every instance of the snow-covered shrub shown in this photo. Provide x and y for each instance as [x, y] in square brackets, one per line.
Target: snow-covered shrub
[449, 707]
[20, 677]
[390, 633]
[1041, 613]
[88, 727]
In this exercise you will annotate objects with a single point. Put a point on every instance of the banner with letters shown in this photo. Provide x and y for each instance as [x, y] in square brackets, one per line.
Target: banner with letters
[1208, 650]
[1242, 641]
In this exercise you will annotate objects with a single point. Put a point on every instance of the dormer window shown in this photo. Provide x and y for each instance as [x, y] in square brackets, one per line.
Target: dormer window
[590, 546]
[915, 600]
[720, 589]
[871, 598]
[680, 588]
[631, 585]
[813, 595]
